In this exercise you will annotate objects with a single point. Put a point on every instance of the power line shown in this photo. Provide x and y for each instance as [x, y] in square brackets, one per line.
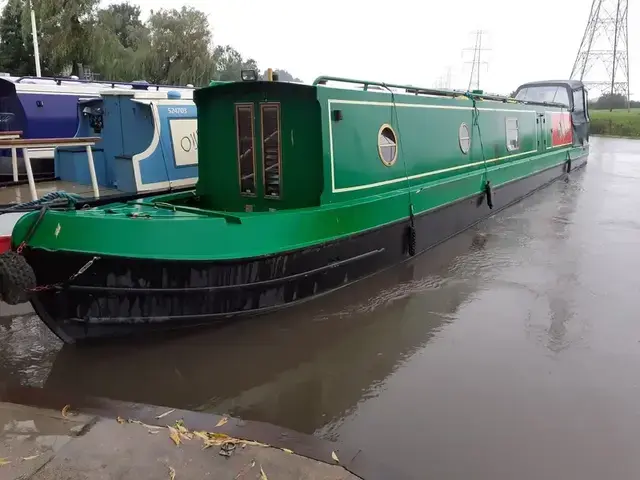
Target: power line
[602, 62]
[476, 63]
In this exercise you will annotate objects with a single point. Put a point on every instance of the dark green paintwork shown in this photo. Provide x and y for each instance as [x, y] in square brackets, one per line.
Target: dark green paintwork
[311, 210]
[218, 183]
[428, 139]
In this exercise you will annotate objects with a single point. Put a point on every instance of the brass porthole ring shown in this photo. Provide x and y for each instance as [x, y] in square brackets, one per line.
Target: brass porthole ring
[387, 145]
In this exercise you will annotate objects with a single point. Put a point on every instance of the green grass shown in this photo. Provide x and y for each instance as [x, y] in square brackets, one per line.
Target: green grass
[618, 123]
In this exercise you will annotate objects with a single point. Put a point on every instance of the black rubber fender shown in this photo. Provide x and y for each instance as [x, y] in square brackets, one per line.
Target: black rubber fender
[412, 240]
[489, 194]
[17, 278]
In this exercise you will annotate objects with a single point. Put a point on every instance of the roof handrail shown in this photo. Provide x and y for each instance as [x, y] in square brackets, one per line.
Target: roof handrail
[323, 79]
[113, 83]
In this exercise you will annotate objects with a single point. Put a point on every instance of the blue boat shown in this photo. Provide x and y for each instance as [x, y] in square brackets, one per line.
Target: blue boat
[149, 142]
[46, 107]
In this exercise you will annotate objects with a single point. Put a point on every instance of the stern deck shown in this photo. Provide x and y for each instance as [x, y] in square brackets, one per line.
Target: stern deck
[13, 194]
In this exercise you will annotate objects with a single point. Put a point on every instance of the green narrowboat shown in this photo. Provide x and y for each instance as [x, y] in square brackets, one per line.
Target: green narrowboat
[302, 189]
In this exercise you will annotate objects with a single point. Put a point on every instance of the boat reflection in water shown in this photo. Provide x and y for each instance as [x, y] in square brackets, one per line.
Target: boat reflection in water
[300, 368]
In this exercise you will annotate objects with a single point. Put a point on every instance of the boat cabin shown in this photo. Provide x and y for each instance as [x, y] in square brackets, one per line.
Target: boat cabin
[272, 146]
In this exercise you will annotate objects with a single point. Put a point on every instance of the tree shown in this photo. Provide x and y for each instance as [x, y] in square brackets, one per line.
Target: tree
[283, 75]
[171, 47]
[120, 43]
[16, 49]
[123, 20]
[610, 101]
[179, 46]
[65, 31]
[229, 63]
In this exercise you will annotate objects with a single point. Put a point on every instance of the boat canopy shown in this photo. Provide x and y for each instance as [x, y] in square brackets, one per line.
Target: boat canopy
[565, 92]
[571, 93]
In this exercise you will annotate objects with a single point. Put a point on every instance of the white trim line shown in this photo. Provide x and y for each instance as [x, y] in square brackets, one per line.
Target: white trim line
[155, 141]
[80, 93]
[39, 153]
[428, 174]
[163, 102]
[138, 157]
[331, 101]
[420, 105]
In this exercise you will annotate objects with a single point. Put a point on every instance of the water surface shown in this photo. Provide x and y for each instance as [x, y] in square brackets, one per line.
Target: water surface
[511, 351]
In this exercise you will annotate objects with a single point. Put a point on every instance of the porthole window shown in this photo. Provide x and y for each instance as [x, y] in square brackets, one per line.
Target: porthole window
[464, 138]
[387, 145]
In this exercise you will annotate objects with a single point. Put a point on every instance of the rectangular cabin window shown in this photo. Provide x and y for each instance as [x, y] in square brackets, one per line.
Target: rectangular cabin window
[271, 151]
[578, 101]
[586, 104]
[542, 94]
[246, 150]
[513, 138]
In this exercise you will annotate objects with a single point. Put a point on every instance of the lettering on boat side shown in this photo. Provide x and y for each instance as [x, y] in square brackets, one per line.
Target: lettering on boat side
[184, 138]
[177, 110]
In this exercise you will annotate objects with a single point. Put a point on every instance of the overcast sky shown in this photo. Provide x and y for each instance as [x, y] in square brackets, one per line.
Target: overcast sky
[407, 41]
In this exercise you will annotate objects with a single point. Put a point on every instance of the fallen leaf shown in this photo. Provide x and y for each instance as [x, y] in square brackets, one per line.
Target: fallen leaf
[222, 421]
[182, 430]
[263, 476]
[174, 435]
[4, 461]
[150, 427]
[257, 444]
[31, 457]
[172, 473]
[213, 442]
[65, 410]
[334, 456]
[202, 435]
[214, 439]
[166, 413]
[245, 469]
[184, 433]
[120, 420]
[287, 450]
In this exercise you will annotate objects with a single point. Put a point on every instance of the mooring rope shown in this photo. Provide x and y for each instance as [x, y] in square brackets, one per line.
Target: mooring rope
[412, 226]
[475, 123]
[71, 199]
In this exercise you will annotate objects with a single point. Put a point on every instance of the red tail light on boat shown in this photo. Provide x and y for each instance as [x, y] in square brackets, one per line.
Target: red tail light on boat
[5, 243]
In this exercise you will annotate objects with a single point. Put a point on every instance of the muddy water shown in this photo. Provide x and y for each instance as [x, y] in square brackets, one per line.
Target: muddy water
[511, 351]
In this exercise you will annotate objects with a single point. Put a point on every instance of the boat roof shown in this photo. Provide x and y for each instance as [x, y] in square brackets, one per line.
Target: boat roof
[76, 86]
[573, 84]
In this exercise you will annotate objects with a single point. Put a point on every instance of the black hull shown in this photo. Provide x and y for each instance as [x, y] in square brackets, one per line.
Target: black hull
[119, 297]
